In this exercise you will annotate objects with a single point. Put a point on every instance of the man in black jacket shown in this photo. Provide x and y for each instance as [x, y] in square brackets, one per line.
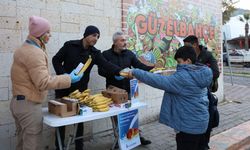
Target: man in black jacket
[68, 57]
[124, 58]
[205, 57]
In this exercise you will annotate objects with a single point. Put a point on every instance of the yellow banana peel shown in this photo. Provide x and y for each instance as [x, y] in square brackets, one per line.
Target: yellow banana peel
[86, 65]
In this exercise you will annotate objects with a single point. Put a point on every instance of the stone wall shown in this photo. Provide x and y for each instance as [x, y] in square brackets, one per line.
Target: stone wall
[68, 19]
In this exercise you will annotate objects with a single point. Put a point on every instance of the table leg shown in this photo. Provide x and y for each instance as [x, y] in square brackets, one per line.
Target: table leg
[59, 139]
[72, 136]
[115, 129]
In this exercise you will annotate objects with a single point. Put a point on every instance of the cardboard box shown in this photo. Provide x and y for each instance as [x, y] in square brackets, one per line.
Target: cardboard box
[63, 107]
[118, 95]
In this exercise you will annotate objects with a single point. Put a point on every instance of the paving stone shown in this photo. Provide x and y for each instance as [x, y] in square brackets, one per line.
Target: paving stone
[163, 137]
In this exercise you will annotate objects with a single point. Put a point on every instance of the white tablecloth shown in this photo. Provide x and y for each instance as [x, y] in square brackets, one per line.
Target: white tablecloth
[56, 121]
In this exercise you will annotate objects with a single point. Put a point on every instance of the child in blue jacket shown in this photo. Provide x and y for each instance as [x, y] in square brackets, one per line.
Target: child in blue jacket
[185, 103]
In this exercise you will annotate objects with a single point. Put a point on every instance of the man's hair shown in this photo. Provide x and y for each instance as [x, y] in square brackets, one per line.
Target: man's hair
[191, 39]
[186, 52]
[116, 34]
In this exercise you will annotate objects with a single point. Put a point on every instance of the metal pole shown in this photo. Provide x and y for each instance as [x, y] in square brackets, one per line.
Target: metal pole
[59, 138]
[228, 59]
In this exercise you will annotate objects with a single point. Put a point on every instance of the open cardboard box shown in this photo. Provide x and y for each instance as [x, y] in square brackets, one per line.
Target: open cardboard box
[63, 107]
[118, 95]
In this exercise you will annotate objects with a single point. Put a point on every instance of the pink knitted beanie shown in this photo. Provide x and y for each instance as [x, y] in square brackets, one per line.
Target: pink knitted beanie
[38, 26]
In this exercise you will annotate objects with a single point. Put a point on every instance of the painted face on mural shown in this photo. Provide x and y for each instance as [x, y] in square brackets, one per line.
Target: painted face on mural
[120, 43]
[92, 39]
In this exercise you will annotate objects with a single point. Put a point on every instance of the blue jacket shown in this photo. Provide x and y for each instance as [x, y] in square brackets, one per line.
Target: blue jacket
[185, 103]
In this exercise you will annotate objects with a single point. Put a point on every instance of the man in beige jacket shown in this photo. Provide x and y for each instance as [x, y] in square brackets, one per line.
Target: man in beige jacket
[30, 81]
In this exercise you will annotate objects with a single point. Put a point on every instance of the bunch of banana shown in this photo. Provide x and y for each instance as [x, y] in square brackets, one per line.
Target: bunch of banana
[81, 96]
[99, 103]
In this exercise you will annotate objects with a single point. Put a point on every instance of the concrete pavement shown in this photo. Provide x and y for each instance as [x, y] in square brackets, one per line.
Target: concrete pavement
[234, 126]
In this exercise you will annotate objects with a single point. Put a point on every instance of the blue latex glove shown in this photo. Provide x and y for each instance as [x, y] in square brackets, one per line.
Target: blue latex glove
[119, 77]
[74, 77]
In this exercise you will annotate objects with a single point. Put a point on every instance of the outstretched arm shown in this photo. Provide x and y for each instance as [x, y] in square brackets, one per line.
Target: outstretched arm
[138, 64]
[166, 83]
[110, 68]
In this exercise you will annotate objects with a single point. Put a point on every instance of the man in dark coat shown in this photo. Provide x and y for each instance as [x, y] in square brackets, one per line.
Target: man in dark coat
[119, 55]
[68, 57]
[204, 56]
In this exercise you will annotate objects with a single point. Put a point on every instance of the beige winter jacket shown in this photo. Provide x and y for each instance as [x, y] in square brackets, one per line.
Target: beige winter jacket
[30, 74]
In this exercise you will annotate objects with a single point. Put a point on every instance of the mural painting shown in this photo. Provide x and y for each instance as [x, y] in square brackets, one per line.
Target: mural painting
[156, 29]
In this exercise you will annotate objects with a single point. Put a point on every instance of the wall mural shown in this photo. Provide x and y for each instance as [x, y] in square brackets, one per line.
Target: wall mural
[156, 29]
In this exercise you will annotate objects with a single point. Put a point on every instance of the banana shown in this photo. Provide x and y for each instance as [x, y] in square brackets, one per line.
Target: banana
[72, 95]
[96, 95]
[83, 100]
[86, 65]
[80, 100]
[124, 74]
[83, 95]
[87, 91]
[88, 100]
[109, 100]
[99, 103]
[78, 95]
[102, 109]
[93, 96]
[100, 99]
[100, 106]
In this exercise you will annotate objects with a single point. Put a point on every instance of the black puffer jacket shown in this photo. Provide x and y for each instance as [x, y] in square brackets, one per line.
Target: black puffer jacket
[68, 58]
[206, 57]
[126, 59]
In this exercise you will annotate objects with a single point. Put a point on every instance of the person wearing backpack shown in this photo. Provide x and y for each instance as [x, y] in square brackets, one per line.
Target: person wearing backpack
[205, 57]
[185, 103]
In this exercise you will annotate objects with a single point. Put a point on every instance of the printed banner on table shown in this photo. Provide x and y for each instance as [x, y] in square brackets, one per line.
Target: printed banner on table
[134, 89]
[128, 130]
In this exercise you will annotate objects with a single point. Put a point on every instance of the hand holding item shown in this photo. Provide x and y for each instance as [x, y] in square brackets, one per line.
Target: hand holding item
[119, 77]
[127, 73]
[74, 77]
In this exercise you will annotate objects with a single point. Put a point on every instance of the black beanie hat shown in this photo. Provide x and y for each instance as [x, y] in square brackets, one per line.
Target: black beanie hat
[91, 30]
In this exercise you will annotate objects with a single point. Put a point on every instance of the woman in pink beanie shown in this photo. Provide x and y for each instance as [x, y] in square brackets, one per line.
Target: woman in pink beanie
[39, 31]
[31, 79]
